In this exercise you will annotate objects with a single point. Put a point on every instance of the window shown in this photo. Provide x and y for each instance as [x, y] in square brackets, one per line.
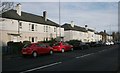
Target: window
[32, 39]
[20, 24]
[92, 35]
[54, 29]
[29, 38]
[29, 26]
[49, 28]
[65, 44]
[41, 45]
[36, 39]
[46, 28]
[27, 45]
[36, 27]
[44, 39]
[32, 27]
[56, 44]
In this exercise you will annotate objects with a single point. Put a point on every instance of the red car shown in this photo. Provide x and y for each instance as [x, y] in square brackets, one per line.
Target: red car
[35, 49]
[62, 47]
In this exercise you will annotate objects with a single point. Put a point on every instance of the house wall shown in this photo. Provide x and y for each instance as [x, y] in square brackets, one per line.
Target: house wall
[41, 32]
[85, 37]
[68, 35]
[98, 37]
[75, 35]
[109, 38]
[91, 36]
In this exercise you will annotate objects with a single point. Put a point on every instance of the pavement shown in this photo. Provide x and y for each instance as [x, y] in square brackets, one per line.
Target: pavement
[94, 59]
[11, 56]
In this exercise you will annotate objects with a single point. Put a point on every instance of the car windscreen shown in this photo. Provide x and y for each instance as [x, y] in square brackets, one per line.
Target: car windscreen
[27, 45]
[65, 43]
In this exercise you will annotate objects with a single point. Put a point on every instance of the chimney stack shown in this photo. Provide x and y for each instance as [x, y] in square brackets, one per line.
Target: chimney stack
[104, 31]
[45, 15]
[86, 27]
[18, 9]
[72, 23]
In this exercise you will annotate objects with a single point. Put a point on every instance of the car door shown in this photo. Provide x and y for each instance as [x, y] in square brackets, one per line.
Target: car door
[39, 48]
[45, 48]
[65, 46]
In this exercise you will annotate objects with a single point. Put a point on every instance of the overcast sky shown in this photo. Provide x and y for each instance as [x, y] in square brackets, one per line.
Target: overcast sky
[98, 15]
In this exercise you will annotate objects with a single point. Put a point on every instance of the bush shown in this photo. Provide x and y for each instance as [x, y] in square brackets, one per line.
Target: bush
[73, 42]
[50, 42]
[14, 47]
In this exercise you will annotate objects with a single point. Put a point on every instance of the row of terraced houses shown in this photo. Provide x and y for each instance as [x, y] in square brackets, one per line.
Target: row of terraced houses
[17, 25]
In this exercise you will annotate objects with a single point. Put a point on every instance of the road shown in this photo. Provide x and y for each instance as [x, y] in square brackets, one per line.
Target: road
[93, 59]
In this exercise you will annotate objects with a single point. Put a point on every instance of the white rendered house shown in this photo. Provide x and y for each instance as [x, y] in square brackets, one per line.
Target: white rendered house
[16, 26]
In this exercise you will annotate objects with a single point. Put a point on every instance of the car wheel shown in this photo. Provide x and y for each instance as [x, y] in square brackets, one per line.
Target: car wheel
[51, 52]
[34, 54]
[71, 49]
[63, 50]
[81, 48]
[24, 56]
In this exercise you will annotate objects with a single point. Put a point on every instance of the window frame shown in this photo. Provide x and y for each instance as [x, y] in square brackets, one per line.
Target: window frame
[33, 27]
[33, 39]
[20, 25]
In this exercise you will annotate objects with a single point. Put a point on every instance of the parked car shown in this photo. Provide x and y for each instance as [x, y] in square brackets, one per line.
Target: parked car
[62, 47]
[98, 44]
[74, 43]
[118, 42]
[77, 44]
[92, 44]
[35, 49]
[83, 45]
[107, 43]
[111, 43]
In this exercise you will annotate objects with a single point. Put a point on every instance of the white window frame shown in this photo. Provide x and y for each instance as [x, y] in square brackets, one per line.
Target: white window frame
[20, 25]
[33, 27]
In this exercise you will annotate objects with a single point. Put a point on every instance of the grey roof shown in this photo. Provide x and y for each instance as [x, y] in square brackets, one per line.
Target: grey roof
[97, 33]
[11, 14]
[103, 33]
[91, 30]
[67, 26]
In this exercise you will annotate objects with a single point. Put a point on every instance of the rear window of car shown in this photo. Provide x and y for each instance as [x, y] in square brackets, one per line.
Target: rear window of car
[41, 45]
[56, 44]
[27, 45]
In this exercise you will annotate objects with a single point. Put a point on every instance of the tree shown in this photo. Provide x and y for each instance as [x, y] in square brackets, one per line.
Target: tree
[5, 6]
[114, 36]
[118, 36]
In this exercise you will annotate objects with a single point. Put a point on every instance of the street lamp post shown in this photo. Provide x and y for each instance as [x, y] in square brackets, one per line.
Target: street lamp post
[59, 22]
